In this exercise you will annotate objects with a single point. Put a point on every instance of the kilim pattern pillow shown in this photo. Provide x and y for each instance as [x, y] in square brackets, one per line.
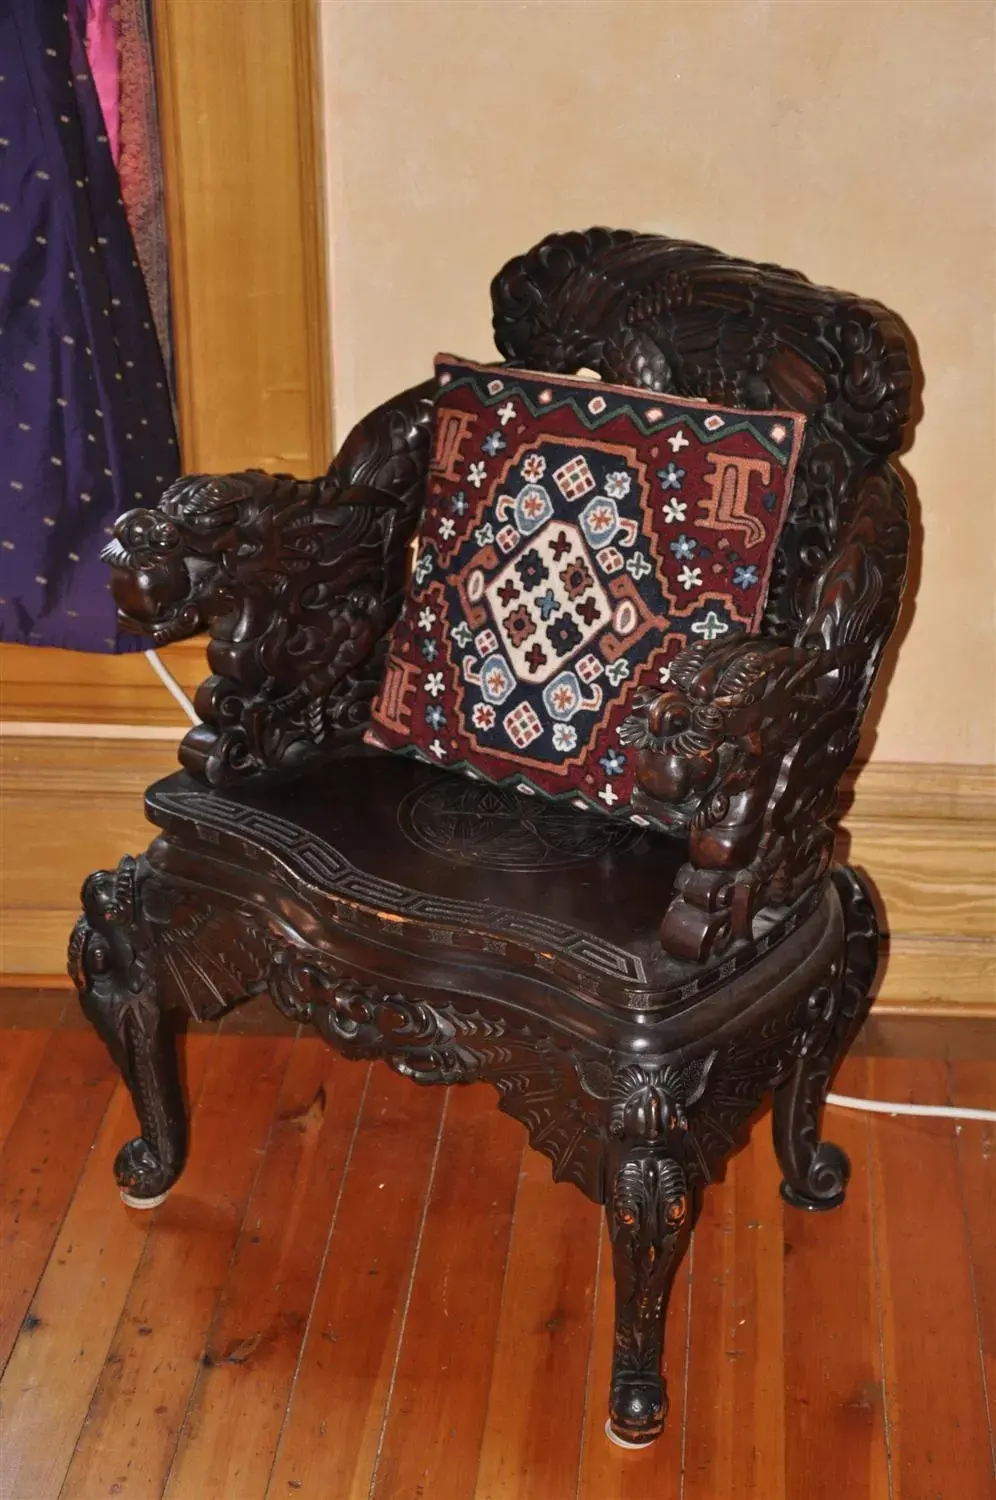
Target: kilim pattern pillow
[575, 537]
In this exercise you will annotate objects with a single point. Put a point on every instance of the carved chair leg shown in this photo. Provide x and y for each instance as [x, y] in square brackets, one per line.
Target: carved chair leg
[817, 1172]
[142, 1042]
[649, 1220]
[111, 967]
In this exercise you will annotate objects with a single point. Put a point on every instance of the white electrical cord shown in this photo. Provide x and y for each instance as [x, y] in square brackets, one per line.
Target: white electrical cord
[171, 685]
[935, 1111]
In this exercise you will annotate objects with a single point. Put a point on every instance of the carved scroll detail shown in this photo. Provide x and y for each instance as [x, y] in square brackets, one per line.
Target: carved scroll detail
[429, 1043]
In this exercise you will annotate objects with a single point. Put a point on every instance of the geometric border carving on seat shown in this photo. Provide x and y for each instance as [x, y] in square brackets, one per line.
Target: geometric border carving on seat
[579, 956]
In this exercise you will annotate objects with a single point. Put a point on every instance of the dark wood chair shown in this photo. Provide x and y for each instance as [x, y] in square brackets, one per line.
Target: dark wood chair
[633, 998]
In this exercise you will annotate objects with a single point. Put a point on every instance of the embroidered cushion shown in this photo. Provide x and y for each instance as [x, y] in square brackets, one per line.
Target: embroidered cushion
[575, 537]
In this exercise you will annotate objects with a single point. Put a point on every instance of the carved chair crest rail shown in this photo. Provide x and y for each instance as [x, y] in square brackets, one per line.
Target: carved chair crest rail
[632, 997]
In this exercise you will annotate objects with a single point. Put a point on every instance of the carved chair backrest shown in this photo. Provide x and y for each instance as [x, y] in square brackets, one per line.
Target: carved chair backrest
[674, 316]
[670, 315]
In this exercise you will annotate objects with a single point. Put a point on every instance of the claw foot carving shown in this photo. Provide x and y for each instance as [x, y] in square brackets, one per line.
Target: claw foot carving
[109, 962]
[648, 1213]
[817, 1172]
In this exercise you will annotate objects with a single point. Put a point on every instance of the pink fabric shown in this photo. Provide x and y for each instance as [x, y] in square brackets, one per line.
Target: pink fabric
[140, 161]
[102, 55]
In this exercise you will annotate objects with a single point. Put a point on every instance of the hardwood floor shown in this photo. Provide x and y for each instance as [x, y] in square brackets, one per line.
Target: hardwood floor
[360, 1288]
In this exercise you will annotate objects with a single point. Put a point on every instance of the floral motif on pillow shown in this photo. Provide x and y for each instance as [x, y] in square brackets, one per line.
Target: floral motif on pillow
[575, 537]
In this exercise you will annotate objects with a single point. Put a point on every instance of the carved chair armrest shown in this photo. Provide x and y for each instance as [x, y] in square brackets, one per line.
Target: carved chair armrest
[298, 582]
[747, 744]
[751, 738]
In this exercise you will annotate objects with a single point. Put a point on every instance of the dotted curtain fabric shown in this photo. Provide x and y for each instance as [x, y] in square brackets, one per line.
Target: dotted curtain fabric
[575, 537]
[86, 425]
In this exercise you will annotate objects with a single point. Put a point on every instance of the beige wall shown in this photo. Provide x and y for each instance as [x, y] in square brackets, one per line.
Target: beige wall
[851, 140]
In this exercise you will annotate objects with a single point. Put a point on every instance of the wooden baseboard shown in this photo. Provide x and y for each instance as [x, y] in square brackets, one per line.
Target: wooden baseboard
[925, 835]
[68, 805]
[68, 687]
[940, 976]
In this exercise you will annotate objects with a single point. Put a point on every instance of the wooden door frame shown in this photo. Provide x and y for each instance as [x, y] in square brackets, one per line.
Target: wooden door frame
[222, 79]
[240, 112]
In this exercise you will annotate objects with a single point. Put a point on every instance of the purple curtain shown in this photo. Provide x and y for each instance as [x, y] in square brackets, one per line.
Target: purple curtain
[86, 422]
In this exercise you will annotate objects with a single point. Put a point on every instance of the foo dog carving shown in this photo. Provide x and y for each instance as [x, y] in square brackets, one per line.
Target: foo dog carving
[298, 582]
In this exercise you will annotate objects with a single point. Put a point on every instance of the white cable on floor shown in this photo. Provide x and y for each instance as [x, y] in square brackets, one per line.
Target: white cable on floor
[171, 685]
[936, 1111]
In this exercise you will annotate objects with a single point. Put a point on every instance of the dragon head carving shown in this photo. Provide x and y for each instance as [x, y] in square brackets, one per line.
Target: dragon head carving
[718, 694]
[289, 575]
[173, 567]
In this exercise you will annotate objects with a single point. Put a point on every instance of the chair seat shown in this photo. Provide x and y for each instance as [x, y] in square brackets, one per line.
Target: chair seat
[424, 860]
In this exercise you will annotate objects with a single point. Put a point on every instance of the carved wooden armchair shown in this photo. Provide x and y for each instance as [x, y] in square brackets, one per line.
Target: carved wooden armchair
[632, 997]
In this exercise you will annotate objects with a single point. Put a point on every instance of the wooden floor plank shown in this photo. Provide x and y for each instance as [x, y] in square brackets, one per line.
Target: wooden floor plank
[329, 1444]
[973, 1084]
[233, 1422]
[20, 1055]
[41, 1162]
[48, 1383]
[487, 1332]
[934, 1391]
[735, 1423]
[708, 1418]
[431, 1442]
[140, 1399]
[607, 1471]
[532, 1434]
[835, 1422]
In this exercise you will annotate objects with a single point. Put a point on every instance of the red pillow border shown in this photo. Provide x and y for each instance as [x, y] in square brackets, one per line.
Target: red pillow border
[518, 671]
